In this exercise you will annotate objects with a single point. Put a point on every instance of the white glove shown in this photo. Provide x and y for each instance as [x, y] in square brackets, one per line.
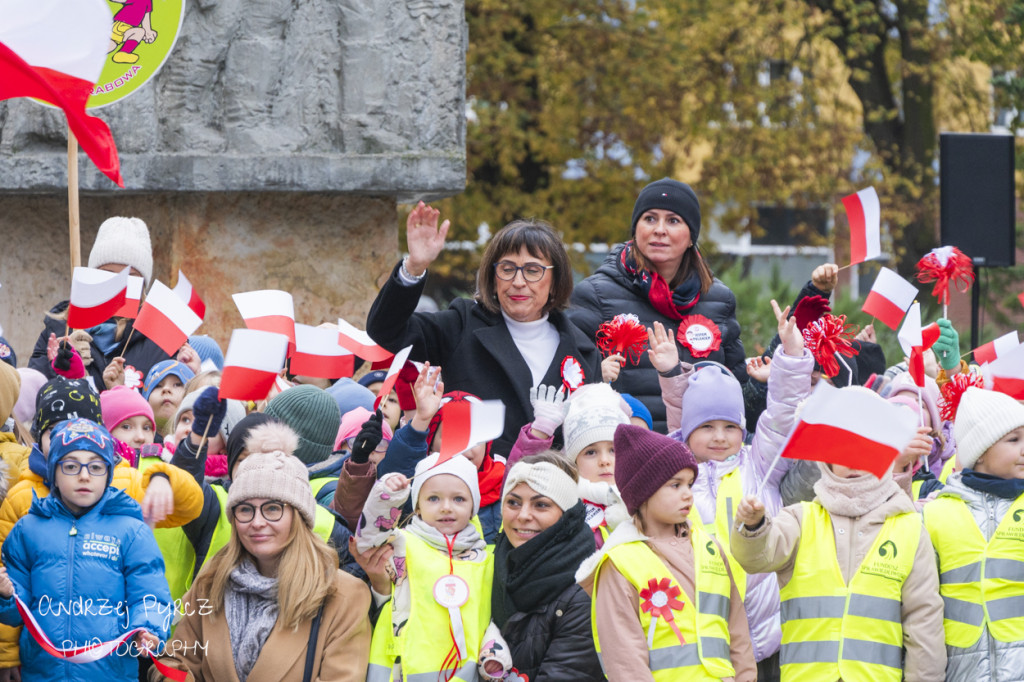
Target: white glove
[549, 407]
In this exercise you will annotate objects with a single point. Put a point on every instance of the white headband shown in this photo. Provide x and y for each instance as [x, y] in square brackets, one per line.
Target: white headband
[545, 478]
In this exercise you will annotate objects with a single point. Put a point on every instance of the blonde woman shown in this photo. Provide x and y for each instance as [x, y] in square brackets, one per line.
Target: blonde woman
[272, 604]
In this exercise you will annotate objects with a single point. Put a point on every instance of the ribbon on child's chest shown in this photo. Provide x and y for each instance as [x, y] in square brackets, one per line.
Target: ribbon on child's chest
[451, 592]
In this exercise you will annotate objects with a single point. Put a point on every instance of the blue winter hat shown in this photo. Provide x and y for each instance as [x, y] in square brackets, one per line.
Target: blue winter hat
[207, 349]
[161, 371]
[639, 409]
[372, 378]
[349, 395]
[711, 394]
[79, 434]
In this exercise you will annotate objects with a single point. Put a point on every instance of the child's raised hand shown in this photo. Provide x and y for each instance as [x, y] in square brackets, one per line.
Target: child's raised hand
[758, 368]
[158, 502]
[791, 337]
[750, 512]
[6, 586]
[428, 391]
[423, 237]
[867, 333]
[661, 348]
[146, 641]
[920, 446]
[113, 374]
[395, 482]
[549, 408]
[611, 366]
[188, 356]
[825, 277]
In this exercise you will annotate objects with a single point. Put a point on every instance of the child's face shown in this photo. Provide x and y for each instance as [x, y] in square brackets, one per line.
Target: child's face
[1005, 459]
[391, 410]
[214, 444]
[136, 431]
[81, 490]
[596, 462]
[166, 397]
[715, 440]
[671, 504]
[445, 503]
[525, 513]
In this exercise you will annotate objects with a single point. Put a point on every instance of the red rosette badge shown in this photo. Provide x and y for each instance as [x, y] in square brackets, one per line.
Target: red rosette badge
[623, 334]
[660, 598]
[827, 338]
[699, 335]
[946, 265]
[572, 373]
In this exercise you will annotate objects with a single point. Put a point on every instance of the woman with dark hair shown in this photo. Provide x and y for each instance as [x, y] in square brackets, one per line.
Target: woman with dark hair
[660, 276]
[510, 338]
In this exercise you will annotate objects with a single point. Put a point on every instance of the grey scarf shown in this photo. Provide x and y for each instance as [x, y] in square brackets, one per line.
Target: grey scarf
[466, 539]
[250, 606]
[856, 496]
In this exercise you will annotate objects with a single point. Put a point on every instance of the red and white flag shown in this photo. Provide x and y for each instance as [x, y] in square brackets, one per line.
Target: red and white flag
[317, 354]
[864, 214]
[392, 376]
[187, 293]
[1006, 373]
[132, 298]
[54, 51]
[994, 350]
[360, 343]
[95, 296]
[468, 423]
[268, 310]
[855, 428]
[915, 340]
[890, 298]
[165, 319]
[254, 359]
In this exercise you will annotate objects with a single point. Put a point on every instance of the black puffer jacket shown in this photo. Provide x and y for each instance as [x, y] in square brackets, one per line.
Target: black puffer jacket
[610, 291]
[557, 635]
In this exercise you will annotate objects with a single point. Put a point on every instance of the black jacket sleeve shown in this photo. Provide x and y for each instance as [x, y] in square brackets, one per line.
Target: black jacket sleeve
[570, 655]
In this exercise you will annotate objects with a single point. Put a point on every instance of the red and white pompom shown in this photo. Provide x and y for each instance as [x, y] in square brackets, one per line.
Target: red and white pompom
[946, 265]
[953, 390]
[828, 336]
[623, 334]
[572, 373]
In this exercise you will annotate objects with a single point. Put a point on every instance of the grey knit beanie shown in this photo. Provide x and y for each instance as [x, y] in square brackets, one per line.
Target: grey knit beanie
[313, 415]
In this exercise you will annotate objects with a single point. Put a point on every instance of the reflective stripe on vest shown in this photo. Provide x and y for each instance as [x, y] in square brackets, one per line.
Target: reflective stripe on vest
[730, 492]
[704, 625]
[425, 638]
[831, 630]
[981, 583]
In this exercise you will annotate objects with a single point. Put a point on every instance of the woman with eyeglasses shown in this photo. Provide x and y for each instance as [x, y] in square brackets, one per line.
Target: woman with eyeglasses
[659, 275]
[510, 338]
[272, 604]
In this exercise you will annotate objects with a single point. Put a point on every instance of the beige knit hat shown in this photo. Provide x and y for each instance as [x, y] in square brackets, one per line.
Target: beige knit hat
[272, 472]
[123, 241]
[982, 419]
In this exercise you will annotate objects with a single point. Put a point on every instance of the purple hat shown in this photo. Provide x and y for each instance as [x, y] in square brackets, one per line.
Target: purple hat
[644, 461]
[711, 394]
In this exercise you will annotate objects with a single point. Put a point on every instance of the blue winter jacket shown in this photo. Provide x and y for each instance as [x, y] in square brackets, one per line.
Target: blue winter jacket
[85, 579]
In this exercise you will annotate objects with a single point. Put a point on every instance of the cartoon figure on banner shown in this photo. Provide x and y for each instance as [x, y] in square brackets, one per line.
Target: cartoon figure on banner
[132, 25]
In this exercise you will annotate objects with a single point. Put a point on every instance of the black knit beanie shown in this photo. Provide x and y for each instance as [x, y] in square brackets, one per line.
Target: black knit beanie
[669, 195]
[61, 399]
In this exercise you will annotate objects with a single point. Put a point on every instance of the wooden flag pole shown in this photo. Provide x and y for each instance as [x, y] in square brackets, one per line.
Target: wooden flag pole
[73, 221]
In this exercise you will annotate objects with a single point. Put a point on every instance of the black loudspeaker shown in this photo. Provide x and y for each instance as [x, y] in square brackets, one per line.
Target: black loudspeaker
[976, 182]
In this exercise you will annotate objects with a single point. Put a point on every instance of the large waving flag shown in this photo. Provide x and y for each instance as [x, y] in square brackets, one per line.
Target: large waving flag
[864, 214]
[890, 297]
[165, 319]
[317, 354]
[252, 363]
[54, 51]
[95, 296]
[268, 310]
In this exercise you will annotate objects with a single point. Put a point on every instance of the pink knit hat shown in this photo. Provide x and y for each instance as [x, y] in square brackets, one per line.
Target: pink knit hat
[352, 423]
[32, 380]
[120, 403]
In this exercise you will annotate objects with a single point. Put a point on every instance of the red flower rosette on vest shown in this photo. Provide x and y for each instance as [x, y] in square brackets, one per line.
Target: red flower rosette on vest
[572, 373]
[623, 334]
[827, 338]
[699, 335]
[660, 598]
[946, 265]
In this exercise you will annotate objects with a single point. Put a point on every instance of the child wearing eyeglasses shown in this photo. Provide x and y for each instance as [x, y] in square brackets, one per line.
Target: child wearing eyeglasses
[85, 564]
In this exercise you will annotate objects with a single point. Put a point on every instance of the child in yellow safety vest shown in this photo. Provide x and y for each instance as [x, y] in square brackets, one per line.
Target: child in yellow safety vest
[665, 605]
[977, 527]
[435, 588]
[859, 589]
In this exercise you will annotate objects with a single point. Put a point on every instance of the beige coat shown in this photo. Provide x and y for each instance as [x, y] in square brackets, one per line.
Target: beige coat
[202, 644]
[773, 547]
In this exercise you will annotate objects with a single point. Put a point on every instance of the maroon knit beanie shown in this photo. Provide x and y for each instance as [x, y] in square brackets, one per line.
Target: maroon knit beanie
[644, 461]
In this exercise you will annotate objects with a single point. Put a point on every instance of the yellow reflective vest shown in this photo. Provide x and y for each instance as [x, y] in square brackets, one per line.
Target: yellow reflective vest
[730, 492]
[981, 583]
[178, 553]
[831, 630]
[425, 639]
[704, 625]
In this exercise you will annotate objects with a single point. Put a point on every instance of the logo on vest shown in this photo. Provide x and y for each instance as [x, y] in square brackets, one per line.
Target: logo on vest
[1018, 515]
[717, 566]
[884, 566]
[1012, 532]
[887, 546]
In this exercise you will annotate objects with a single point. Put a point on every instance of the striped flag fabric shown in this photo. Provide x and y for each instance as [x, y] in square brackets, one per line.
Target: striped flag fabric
[468, 423]
[95, 296]
[268, 310]
[1006, 373]
[165, 319]
[392, 376]
[132, 298]
[360, 343]
[915, 340]
[187, 293]
[864, 214]
[317, 354]
[993, 350]
[890, 298]
[252, 363]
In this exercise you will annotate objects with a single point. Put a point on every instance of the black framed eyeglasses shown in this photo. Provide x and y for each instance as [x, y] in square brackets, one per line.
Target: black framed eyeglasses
[271, 510]
[532, 272]
[72, 468]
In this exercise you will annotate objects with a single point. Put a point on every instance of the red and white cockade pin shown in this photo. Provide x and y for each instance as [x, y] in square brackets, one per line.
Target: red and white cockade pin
[699, 335]
[572, 373]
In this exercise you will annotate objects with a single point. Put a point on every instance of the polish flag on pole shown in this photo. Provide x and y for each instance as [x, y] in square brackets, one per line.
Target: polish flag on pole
[268, 310]
[165, 319]
[54, 51]
[253, 361]
[392, 376]
[95, 296]
[993, 350]
[915, 340]
[855, 428]
[360, 343]
[132, 298]
[317, 354]
[468, 423]
[864, 214]
[187, 293]
[1006, 373]
[889, 299]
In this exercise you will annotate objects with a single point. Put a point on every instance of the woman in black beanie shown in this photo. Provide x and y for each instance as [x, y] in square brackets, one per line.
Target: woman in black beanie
[660, 276]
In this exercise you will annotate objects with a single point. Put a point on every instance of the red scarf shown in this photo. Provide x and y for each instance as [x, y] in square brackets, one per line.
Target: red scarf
[489, 477]
[671, 304]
